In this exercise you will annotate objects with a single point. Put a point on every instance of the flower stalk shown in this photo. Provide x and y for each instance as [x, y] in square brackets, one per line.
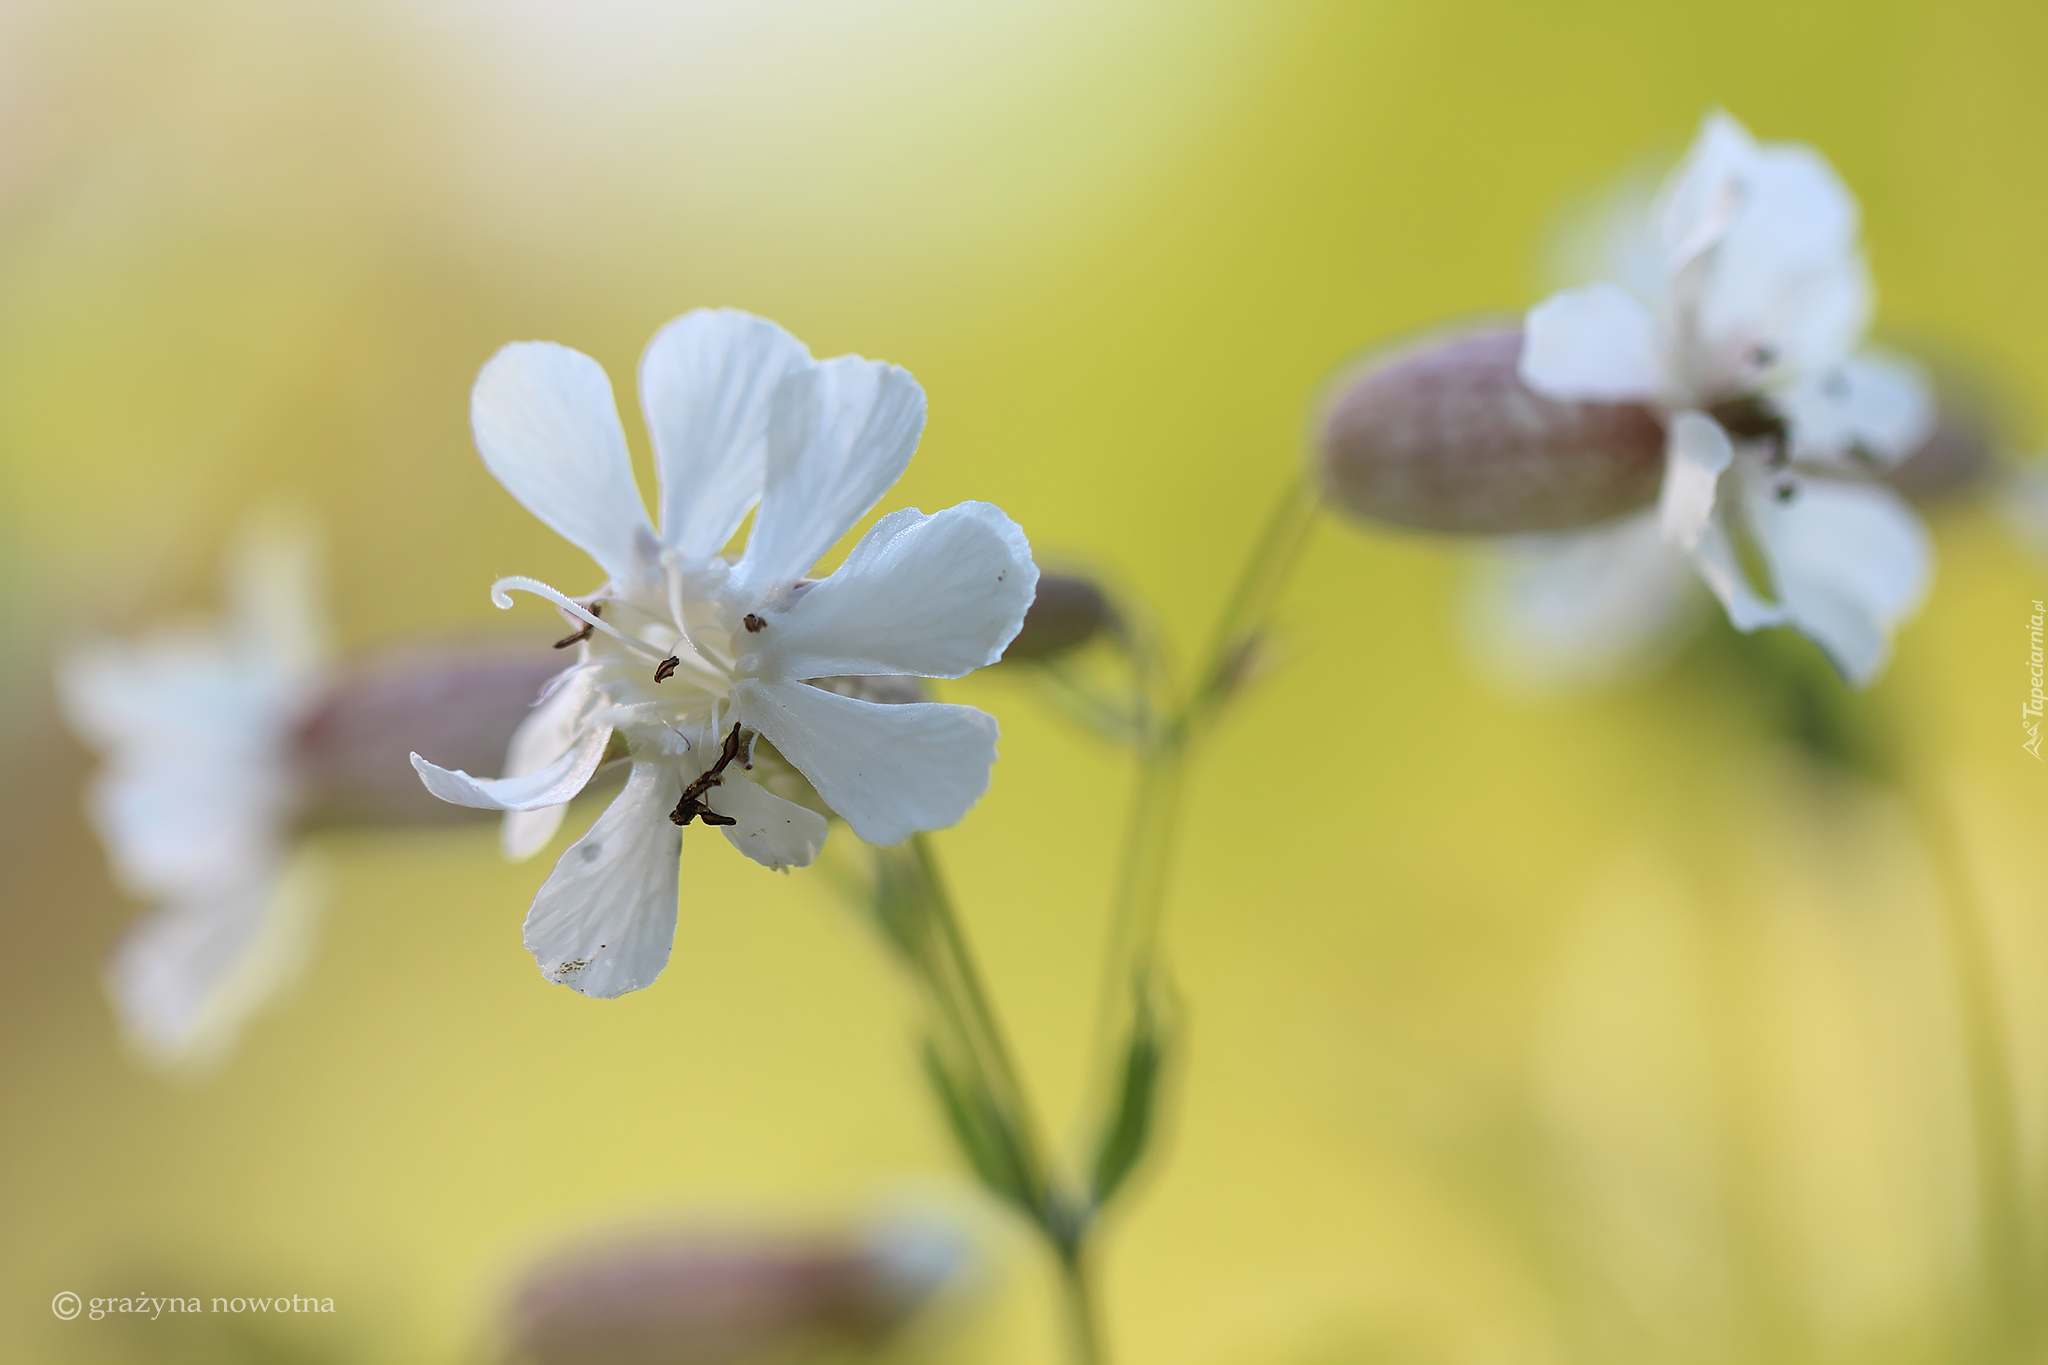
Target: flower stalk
[973, 1075]
[1134, 980]
[966, 1056]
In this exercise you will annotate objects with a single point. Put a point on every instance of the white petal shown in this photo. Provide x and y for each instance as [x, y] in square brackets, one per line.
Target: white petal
[171, 691]
[189, 975]
[936, 596]
[1787, 290]
[547, 426]
[197, 784]
[604, 922]
[1700, 200]
[1874, 403]
[706, 382]
[176, 822]
[888, 771]
[1696, 451]
[548, 732]
[773, 832]
[559, 781]
[1595, 344]
[1721, 569]
[1851, 562]
[1553, 612]
[839, 436]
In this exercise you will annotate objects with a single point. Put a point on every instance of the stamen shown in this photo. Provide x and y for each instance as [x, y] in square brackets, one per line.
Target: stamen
[754, 624]
[664, 670]
[596, 609]
[501, 597]
[692, 806]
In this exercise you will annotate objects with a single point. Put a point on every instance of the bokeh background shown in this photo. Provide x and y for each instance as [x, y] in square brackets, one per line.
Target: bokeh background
[1601, 1028]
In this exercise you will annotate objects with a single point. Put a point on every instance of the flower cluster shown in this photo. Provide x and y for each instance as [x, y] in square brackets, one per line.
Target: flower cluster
[724, 681]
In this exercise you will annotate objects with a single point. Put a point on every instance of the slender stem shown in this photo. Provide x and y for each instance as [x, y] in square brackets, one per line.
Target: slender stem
[1152, 825]
[960, 981]
[1264, 574]
[944, 963]
[949, 973]
[1077, 1291]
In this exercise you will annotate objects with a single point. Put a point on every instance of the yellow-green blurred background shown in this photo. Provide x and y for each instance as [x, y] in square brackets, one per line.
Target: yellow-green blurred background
[1596, 1030]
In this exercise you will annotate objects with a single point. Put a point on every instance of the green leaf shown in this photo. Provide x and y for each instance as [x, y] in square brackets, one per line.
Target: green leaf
[1129, 1130]
[983, 1135]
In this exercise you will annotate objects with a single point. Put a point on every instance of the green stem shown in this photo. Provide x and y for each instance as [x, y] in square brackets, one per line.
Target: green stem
[960, 982]
[945, 967]
[1084, 1332]
[1151, 827]
[937, 951]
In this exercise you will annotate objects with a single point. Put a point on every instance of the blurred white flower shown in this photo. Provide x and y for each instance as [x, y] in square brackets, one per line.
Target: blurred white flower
[2023, 499]
[687, 658]
[1546, 613]
[1745, 335]
[197, 799]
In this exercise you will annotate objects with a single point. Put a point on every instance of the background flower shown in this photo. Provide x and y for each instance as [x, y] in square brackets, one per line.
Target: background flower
[1752, 299]
[200, 794]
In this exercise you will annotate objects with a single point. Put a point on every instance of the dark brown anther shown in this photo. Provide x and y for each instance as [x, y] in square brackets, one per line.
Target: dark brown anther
[753, 623]
[596, 609]
[692, 806]
[666, 669]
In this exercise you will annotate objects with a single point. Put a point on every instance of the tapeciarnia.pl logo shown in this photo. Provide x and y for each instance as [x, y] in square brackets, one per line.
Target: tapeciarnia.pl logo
[2030, 714]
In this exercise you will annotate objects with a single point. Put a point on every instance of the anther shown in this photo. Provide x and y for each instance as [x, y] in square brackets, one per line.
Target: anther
[753, 623]
[664, 670]
[596, 609]
[692, 806]
[1786, 490]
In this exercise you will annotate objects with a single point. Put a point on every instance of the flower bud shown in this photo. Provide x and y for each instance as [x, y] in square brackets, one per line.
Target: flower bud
[458, 703]
[1067, 613]
[696, 1300]
[1444, 436]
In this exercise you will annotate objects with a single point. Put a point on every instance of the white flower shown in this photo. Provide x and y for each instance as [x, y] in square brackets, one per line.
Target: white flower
[197, 800]
[1747, 342]
[1547, 613]
[690, 660]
